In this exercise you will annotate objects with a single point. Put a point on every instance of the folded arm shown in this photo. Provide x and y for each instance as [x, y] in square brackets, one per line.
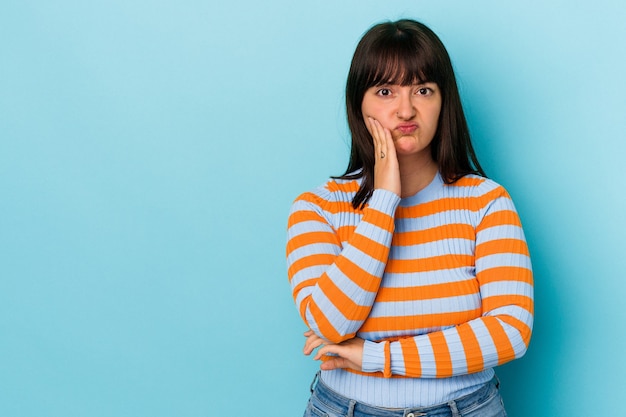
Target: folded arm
[501, 333]
[335, 283]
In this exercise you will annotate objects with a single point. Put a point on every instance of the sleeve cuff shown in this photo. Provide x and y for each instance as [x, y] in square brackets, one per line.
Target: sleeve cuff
[384, 201]
[377, 358]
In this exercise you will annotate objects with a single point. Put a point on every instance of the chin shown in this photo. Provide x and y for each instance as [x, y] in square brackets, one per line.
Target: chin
[410, 145]
[405, 149]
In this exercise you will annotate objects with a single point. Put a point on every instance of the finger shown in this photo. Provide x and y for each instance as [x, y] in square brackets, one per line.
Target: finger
[379, 138]
[373, 127]
[378, 132]
[336, 363]
[330, 364]
[330, 349]
[311, 343]
[389, 145]
[369, 126]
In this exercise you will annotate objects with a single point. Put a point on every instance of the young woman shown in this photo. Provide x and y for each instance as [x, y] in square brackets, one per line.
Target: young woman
[411, 271]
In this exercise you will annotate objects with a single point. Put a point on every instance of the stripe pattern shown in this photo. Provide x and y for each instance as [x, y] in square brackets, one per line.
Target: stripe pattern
[438, 284]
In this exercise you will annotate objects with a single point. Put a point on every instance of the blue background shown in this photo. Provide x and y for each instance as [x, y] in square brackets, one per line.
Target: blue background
[150, 150]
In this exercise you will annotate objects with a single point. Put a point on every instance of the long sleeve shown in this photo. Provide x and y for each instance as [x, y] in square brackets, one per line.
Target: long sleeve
[502, 330]
[334, 283]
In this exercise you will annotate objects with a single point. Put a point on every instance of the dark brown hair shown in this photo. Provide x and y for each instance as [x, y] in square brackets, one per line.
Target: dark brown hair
[406, 52]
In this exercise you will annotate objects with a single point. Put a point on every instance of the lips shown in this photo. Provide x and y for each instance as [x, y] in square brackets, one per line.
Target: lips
[406, 128]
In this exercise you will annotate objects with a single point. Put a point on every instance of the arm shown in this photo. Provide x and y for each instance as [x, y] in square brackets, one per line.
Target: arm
[334, 287]
[501, 334]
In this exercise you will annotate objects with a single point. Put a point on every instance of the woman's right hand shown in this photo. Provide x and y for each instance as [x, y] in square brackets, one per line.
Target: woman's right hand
[386, 168]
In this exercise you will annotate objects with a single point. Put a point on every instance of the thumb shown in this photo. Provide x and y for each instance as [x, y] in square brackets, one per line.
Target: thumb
[335, 363]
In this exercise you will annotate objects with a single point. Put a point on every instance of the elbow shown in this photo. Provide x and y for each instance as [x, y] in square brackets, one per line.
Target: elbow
[521, 347]
[324, 328]
[526, 342]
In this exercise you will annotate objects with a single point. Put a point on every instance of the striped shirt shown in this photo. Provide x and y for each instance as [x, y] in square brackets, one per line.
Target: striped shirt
[438, 284]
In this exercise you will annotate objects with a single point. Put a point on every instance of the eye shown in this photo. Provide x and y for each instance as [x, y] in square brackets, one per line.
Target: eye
[424, 91]
[383, 92]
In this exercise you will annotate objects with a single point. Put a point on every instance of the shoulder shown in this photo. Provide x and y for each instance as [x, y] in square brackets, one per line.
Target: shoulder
[333, 190]
[472, 185]
[334, 195]
[480, 193]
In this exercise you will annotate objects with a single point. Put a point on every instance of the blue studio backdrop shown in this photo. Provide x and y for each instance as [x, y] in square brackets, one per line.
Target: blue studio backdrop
[150, 150]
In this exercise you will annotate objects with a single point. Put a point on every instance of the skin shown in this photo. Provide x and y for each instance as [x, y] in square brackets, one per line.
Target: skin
[402, 121]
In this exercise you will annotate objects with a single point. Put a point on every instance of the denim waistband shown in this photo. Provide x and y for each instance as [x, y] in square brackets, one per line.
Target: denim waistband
[346, 406]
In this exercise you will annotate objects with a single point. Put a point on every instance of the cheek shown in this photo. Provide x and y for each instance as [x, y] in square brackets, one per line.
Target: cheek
[365, 110]
[370, 109]
[377, 114]
[437, 113]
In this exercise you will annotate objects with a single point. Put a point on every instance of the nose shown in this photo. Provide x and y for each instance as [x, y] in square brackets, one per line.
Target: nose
[406, 108]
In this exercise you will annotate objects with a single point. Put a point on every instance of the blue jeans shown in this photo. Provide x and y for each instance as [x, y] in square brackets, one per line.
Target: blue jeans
[485, 402]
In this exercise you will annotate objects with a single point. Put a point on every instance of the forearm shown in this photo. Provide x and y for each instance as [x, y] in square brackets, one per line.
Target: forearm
[471, 347]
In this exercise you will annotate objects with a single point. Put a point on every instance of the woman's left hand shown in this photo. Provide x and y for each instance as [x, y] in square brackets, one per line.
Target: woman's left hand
[347, 354]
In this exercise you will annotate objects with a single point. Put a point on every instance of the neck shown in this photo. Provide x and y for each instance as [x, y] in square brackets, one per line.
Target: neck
[416, 174]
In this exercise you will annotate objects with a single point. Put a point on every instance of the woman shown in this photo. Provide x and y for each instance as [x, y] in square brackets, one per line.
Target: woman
[411, 270]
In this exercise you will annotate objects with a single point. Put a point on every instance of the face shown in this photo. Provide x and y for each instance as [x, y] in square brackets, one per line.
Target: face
[411, 114]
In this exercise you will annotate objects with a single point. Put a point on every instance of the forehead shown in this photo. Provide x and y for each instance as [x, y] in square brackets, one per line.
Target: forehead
[398, 69]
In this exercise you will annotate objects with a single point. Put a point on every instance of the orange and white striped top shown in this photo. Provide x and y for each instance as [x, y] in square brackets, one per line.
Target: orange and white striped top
[439, 285]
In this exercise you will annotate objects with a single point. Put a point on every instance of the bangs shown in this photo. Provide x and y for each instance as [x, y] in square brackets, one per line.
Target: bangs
[400, 60]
